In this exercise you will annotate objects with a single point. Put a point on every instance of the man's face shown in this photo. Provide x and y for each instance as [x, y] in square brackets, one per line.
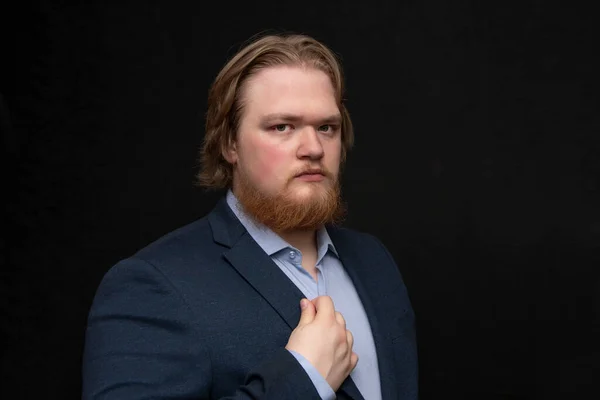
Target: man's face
[288, 146]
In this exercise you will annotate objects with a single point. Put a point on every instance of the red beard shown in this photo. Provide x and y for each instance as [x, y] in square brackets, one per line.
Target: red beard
[282, 212]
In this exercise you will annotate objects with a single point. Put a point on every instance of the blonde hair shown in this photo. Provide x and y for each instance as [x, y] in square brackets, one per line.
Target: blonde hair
[225, 96]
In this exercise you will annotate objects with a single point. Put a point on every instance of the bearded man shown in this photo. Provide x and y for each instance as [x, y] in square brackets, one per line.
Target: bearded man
[266, 297]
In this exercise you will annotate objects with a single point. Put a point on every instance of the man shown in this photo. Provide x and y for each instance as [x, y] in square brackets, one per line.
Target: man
[266, 297]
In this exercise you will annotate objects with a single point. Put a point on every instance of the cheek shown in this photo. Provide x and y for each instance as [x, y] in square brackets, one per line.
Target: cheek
[269, 161]
[334, 156]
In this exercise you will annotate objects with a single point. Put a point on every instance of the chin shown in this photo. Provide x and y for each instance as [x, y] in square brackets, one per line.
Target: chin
[307, 190]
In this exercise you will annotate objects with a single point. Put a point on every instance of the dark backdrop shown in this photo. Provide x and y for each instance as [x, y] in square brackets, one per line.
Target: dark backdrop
[476, 163]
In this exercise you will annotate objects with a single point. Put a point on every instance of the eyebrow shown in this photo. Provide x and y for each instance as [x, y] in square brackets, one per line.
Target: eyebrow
[332, 119]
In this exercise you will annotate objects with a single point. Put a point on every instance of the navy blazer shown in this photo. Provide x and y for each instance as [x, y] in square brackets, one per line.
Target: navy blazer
[204, 313]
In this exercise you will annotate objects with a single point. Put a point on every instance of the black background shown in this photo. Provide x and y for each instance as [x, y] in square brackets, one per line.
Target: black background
[477, 162]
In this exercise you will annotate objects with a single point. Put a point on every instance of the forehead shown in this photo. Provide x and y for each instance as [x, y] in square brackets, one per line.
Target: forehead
[290, 89]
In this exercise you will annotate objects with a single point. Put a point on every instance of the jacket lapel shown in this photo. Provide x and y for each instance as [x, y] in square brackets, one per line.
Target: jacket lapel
[266, 278]
[254, 265]
[367, 284]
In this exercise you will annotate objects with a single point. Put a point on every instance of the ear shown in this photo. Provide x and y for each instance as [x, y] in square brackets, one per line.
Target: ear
[229, 152]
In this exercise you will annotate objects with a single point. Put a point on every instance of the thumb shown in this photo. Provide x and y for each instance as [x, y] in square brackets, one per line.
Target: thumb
[308, 312]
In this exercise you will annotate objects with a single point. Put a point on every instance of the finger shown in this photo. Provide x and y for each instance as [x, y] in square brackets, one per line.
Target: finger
[349, 339]
[340, 319]
[324, 307]
[308, 312]
[353, 361]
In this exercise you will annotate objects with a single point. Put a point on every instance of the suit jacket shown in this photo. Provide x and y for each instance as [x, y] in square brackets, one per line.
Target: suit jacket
[204, 313]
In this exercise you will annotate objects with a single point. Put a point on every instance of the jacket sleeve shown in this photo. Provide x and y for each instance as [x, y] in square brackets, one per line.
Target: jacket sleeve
[141, 344]
[406, 344]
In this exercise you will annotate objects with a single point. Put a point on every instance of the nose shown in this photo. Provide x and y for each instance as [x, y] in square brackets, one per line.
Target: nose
[310, 144]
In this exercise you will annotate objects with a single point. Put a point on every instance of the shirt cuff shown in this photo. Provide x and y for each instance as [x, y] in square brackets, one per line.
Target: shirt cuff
[323, 388]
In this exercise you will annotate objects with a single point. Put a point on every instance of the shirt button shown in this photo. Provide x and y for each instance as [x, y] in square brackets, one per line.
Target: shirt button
[292, 254]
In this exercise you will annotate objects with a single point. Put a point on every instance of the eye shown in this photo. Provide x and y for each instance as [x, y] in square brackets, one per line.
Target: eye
[280, 127]
[327, 128]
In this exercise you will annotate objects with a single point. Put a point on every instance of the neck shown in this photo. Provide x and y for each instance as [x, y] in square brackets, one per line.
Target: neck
[304, 240]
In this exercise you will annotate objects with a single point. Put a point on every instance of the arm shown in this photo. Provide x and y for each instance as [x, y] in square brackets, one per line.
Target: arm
[406, 342]
[140, 343]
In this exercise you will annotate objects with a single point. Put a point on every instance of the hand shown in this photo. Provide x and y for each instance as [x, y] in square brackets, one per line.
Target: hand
[322, 338]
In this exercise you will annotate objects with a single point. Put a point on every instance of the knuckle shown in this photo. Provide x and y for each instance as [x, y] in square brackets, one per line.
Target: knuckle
[342, 336]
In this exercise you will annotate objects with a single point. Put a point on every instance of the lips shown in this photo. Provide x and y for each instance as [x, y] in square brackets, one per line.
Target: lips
[311, 176]
[312, 172]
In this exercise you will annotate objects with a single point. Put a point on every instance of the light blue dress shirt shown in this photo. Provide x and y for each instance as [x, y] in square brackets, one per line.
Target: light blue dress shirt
[332, 281]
